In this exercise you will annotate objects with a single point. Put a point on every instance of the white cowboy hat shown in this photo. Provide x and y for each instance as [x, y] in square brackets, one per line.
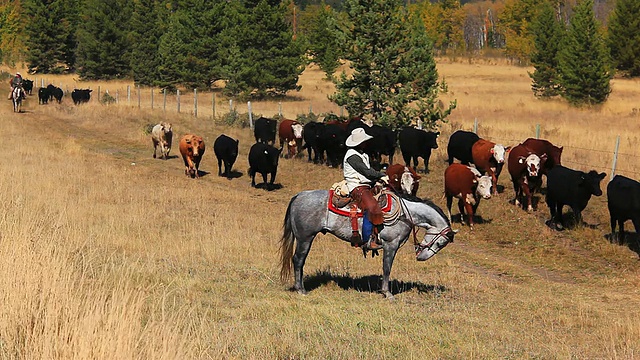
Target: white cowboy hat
[357, 137]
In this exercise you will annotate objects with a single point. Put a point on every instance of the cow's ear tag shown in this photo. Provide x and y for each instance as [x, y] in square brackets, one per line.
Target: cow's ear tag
[266, 152]
[521, 161]
[475, 181]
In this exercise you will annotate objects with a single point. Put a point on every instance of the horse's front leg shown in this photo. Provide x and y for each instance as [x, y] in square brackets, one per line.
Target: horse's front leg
[390, 250]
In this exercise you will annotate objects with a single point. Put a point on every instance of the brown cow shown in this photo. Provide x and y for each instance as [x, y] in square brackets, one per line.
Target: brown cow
[525, 168]
[543, 147]
[192, 149]
[466, 184]
[403, 179]
[290, 133]
[489, 157]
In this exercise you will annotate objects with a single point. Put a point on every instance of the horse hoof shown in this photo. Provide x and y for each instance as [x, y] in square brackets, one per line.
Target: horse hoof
[303, 292]
[388, 295]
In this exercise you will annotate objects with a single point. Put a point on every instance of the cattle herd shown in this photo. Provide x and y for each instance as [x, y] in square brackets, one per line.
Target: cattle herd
[471, 179]
[52, 92]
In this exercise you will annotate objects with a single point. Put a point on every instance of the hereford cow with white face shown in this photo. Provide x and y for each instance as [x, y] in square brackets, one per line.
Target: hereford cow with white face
[469, 186]
[525, 168]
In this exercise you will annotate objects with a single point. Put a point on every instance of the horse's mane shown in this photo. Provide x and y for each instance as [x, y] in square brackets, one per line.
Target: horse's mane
[426, 201]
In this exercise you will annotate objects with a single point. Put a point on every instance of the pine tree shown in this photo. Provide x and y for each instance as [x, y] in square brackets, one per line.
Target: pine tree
[624, 36]
[272, 60]
[189, 48]
[548, 34]
[322, 33]
[51, 34]
[147, 26]
[585, 72]
[394, 77]
[104, 46]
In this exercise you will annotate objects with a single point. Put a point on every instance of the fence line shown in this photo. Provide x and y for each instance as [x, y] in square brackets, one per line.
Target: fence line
[616, 155]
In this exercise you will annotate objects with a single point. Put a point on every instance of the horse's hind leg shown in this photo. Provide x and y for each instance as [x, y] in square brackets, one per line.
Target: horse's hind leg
[302, 250]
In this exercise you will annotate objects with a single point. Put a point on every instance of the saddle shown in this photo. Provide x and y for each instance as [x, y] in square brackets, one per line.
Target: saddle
[341, 203]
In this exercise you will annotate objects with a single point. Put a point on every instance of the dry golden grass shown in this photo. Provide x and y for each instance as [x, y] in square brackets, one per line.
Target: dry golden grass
[106, 253]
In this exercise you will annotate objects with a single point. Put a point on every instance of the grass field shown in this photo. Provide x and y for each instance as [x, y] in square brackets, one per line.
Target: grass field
[106, 253]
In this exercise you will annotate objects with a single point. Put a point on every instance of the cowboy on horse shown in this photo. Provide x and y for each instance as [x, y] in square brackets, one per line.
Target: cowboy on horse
[359, 177]
[14, 82]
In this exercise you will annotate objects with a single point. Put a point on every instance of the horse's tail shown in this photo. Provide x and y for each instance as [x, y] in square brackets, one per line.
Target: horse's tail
[286, 245]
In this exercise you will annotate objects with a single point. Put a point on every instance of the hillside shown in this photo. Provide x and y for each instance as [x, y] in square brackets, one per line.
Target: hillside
[107, 253]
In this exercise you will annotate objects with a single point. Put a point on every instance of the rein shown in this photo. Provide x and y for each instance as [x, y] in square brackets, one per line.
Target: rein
[418, 246]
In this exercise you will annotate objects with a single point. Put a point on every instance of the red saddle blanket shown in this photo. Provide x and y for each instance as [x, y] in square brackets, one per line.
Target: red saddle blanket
[344, 211]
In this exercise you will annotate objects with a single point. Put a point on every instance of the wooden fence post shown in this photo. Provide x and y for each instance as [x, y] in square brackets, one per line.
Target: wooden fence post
[230, 105]
[475, 126]
[213, 105]
[178, 99]
[138, 96]
[280, 108]
[615, 158]
[250, 115]
[537, 131]
[117, 95]
[195, 102]
[129, 94]
[98, 93]
[164, 99]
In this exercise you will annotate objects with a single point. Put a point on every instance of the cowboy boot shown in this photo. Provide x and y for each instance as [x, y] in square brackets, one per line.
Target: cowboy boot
[374, 240]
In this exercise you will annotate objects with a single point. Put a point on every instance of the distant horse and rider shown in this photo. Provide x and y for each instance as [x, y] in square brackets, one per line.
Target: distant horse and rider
[17, 93]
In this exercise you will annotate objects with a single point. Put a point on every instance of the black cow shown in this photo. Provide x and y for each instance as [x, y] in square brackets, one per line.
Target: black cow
[416, 143]
[55, 93]
[43, 96]
[81, 95]
[383, 143]
[226, 150]
[623, 200]
[263, 159]
[570, 187]
[265, 130]
[332, 143]
[311, 134]
[27, 85]
[460, 144]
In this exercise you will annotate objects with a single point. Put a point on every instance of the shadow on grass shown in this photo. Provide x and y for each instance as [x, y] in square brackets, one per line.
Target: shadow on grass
[232, 174]
[477, 219]
[631, 240]
[569, 222]
[371, 283]
[269, 187]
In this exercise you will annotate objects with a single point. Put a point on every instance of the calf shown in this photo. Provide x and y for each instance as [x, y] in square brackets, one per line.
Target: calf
[43, 96]
[488, 158]
[415, 143]
[80, 96]
[264, 130]
[403, 179]
[226, 150]
[311, 134]
[570, 187]
[290, 133]
[468, 185]
[263, 159]
[459, 147]
[192, 148]
[623, 200]
[524, 167]
[543, 147]
[161, 136]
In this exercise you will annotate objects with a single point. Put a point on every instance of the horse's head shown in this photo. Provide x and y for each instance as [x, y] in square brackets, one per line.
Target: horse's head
[433, 242]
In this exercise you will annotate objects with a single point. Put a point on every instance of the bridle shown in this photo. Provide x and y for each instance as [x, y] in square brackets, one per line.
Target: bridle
[418, 245]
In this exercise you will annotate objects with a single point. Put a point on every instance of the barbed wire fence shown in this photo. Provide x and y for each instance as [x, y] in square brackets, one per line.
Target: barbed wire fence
[620, 163]
[612, 168]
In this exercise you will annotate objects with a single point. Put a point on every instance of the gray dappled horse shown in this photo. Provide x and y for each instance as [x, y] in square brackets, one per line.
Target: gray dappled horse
[16, 97]
[307, 215]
